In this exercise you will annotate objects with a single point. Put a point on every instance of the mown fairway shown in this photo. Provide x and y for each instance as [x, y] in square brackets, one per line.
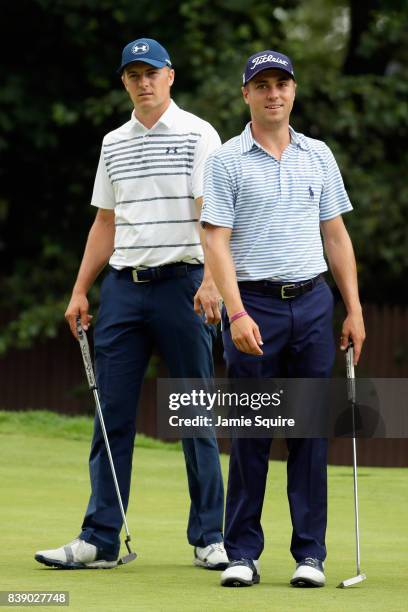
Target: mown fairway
[44, 489]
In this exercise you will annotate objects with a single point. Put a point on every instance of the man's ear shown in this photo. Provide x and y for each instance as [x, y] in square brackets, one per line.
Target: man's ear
[122, 76]
[244, 90]
[172, 74]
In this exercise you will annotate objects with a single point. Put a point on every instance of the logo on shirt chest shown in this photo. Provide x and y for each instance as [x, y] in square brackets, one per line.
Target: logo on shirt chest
[173, 150]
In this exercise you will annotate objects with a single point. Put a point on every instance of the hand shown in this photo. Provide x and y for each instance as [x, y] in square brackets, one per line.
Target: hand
[207, 300]
[246, 336]
[353, 330]
[78, 305]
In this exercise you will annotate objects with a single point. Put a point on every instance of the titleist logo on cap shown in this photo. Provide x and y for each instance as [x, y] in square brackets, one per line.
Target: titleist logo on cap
[267, 58]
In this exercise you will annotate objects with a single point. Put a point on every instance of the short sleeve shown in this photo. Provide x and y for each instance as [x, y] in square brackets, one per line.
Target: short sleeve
[219, 199]
[103, 195]
[209, 142]
[334, 200]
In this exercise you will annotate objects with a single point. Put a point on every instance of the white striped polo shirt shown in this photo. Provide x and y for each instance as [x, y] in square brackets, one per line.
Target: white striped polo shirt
[150, 177]
[274, 207]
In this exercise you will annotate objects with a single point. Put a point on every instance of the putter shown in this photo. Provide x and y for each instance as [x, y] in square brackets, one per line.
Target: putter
[86, 356]
[351, 392]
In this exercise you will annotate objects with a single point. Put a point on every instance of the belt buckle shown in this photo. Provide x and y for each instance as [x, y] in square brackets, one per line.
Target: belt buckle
[136, 279]
[283, 288]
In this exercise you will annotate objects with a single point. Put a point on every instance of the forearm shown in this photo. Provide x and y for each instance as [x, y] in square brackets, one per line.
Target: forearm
[223, 270]
[245, 333]
[98, 249]
[340, 254]
[342, 264]
[208, 276]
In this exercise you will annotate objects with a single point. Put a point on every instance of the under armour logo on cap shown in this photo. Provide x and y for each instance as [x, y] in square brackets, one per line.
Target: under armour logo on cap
[145, 50]
[264, 60]
[140, 48]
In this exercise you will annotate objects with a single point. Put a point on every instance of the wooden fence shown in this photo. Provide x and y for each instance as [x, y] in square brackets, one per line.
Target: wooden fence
[50, 376]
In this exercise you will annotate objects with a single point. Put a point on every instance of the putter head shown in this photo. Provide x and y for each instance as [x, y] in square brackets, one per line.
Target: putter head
[351, 581]
[131, 556]
[127, 558]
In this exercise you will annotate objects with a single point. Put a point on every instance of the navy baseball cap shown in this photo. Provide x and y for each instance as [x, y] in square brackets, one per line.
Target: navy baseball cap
[145, 50]
[264, 60]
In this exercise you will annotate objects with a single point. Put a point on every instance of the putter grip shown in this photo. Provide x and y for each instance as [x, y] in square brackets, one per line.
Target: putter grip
[350, 361]
[86, 354]
[351, 388]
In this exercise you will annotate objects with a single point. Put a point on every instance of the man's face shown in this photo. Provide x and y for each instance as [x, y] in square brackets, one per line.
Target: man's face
[147, 86]
[270, 96]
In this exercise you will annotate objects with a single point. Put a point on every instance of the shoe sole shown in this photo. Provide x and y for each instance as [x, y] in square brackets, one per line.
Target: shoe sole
[210, 566]
[75, 566]
[306, 583]
[240, 582]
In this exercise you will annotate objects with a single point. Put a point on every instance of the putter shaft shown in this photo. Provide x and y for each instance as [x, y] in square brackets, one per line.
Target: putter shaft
[351, 388]
[86, 356]
[108, 450]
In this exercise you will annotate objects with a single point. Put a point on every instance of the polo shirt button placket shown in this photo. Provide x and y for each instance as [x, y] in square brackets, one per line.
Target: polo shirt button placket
[282, 180]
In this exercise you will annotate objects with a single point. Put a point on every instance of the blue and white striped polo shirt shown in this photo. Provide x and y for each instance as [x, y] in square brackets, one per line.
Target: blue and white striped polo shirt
[274, 207]
[150, 177]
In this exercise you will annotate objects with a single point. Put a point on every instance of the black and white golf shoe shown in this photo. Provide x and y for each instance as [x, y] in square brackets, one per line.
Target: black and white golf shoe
[241, 573]
[309, 573]
[78, 554]
[212, 557]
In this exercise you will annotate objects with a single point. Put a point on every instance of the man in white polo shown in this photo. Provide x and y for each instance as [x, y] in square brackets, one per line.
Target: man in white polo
[268, 194]
[148, 191]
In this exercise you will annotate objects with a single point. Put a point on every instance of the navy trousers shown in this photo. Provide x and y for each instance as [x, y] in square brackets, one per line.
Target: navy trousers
[134, 318]
[298, 342]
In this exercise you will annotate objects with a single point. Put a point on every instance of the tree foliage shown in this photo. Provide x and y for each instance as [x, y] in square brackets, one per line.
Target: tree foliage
[60, 93]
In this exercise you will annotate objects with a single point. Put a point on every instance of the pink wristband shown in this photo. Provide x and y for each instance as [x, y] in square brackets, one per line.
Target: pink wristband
[238, 315]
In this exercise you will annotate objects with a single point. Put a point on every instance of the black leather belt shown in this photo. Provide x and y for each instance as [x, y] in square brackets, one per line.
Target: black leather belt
[148, 275]
[284, 291]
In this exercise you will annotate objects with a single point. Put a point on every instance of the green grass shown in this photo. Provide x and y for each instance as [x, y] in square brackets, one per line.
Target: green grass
[44, 490]
[44, 423]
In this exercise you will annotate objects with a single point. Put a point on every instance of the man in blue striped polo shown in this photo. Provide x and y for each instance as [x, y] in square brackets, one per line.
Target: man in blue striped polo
[268, 194]
[148, 192]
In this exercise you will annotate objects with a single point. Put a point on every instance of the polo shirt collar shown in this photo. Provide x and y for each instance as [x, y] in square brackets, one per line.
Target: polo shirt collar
[247, 140]
[167, 119]
[298, 139]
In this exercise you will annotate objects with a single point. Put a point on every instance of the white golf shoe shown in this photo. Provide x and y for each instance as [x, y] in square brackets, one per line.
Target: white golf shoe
[309, 573]
[241, 573]
[212, 557]
[78, 554]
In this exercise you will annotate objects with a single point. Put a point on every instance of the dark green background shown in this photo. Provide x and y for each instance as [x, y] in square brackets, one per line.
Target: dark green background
[60, 94]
